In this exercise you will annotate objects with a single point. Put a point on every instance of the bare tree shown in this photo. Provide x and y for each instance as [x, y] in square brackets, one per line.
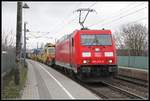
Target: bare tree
[42, 45]
[119, 40]
[134, 37]
[11, 40]
[7, 39]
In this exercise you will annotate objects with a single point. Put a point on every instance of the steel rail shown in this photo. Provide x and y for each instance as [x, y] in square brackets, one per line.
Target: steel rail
[123, 91]
[133, 80]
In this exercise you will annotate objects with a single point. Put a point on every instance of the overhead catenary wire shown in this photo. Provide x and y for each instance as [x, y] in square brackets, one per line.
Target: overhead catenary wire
[135, 21]
[69, 14]
[125, 16]
[92, 5]
[61, 22]
[131, 13]
[36, 36]
[127, 7]
[74, 18]
[105, 19]
[139, 19]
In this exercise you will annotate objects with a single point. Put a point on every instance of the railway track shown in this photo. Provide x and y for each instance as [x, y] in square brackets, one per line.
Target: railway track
[132, 86]
[107, 90]
[110, 89]
[133, 80]
[110, 92]
[128, 93]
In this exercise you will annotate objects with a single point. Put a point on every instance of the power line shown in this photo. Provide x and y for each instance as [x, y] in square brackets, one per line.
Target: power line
[92, 5]
[75, 18]
[105, 19]
[139, 19]
[39, 36]
[131, 13]
[70, 13]
[125, 15]
[131, 7]
[136, 20]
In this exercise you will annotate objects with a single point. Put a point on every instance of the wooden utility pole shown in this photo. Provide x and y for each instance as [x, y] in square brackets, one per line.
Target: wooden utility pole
[18, 42]
[25, 43]
[25, 7]
[37, 49]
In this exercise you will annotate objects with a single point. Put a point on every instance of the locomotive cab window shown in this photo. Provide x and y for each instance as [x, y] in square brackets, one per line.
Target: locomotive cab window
[51, 50]
[96, 39]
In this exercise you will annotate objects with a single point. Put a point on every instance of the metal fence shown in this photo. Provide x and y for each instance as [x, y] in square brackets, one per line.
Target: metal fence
[140, 62]
[8, 60]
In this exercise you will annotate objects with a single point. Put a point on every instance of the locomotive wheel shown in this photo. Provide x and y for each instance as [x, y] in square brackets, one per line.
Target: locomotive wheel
[65, 70]
[50, 63]
[114, 74]
[46, 63]
[80, 76]
[71, 73]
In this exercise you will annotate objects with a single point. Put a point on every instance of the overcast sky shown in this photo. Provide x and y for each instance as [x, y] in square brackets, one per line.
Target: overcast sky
[48, 21]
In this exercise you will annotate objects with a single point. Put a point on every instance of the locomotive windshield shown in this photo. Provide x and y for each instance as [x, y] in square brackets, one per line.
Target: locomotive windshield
[96, 39]
[51, 50]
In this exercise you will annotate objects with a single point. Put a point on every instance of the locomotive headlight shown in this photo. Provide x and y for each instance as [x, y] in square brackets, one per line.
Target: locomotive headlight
[84, 61]
[86, 54]
[97, 49]
[108, 54]
[110, 61]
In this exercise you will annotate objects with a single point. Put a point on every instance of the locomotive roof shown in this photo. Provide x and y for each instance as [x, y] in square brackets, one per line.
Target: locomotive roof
[84, 31]
[49, 45]
[106, 31]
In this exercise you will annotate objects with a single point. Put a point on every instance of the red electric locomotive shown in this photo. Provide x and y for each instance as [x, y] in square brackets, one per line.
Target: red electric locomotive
[87, 53]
